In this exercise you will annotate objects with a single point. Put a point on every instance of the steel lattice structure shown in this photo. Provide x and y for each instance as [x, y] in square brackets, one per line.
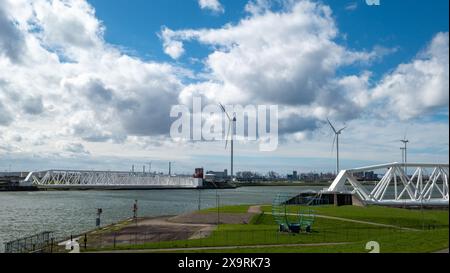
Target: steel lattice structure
[426, 184]
[106, 179]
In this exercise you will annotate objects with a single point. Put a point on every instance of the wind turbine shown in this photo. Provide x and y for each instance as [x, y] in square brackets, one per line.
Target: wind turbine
[405, 152]
[336, 140]
[232, 122]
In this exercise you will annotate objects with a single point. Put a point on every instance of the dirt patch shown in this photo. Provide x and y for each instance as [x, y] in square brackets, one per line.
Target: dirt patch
[167, 228]
[149, 230]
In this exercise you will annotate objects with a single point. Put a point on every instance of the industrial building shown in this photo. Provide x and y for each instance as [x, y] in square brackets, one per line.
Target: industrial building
[217, 177]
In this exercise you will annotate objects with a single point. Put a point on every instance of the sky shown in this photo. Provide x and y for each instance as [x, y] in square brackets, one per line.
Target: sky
[90, 84]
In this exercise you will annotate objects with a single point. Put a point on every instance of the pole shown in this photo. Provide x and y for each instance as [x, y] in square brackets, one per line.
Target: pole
[232, 159]
[421, 210]
[218, 211]
[135, 210]
[217, 205]
[406, 159]
[337, 153]
[97, 222]
[232, 148]
[403, 155]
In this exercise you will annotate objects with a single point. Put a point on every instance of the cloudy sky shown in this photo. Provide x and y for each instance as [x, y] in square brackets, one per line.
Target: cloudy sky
[90, 84]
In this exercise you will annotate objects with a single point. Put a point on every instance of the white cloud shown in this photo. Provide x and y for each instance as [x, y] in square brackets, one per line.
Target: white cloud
[65, 92]
[351, 6]
[172, 47]
[288, 58]
[11, 39]
[213, 5]
[257, 6]
[420, 86]
[82, 88]
[74, 148]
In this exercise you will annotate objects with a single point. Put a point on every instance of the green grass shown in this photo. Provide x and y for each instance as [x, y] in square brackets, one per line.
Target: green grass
[382, 215]
[262, 230]
[324, 230]
[258, 219]
[351, 248]
[405, 242]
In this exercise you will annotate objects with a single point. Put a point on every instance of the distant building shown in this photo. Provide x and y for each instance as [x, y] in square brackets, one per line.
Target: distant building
[199, 173]
[13, 174]
[293, 177]
[316, 177]
[366, 176]
[247, 176]
[216, 176]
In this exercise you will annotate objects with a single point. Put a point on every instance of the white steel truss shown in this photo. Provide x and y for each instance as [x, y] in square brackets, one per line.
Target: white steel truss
[427, 184]
[106, 179]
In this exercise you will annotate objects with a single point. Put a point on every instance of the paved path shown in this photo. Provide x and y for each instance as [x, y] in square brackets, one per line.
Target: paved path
[166, 222]
[221, 248]
[254, 209]
[442, 251]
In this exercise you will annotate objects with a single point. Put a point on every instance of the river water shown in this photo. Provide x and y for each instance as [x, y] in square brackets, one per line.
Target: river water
[73, 212]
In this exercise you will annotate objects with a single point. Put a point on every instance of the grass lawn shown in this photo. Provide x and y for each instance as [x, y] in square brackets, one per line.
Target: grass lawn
[383, 215]
[407, 242]
[262, 230]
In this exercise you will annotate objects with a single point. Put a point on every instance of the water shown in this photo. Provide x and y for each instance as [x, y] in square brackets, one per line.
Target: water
[74, 212]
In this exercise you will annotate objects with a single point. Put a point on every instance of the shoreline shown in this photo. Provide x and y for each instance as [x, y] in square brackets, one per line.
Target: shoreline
[108, 188]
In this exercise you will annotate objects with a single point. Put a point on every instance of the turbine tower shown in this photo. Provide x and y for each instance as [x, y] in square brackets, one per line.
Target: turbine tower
[336, 140]
[405, 152]
[232, 122]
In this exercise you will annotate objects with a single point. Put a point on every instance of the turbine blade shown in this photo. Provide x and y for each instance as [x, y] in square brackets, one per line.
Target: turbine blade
[340, 131]
[332, 127]
[223, 109]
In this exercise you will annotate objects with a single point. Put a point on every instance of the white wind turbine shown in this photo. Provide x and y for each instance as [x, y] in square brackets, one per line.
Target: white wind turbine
[404, 149]
[336, 140]
[231, 123]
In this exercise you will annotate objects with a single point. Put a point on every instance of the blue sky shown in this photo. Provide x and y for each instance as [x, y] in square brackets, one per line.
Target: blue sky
[407, 26]
[105, 75]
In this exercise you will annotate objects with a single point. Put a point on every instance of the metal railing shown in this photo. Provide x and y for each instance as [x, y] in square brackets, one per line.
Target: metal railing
[424, 184]
[29, 244]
